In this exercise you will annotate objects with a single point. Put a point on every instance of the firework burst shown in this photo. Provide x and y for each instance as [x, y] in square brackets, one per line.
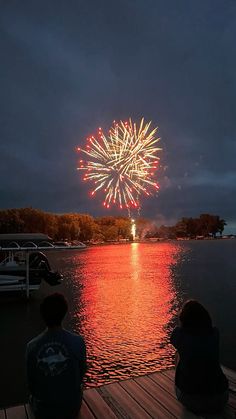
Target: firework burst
[122, 164]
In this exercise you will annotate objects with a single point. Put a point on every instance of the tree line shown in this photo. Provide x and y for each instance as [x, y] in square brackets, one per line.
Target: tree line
[84, 227]
[206, 225]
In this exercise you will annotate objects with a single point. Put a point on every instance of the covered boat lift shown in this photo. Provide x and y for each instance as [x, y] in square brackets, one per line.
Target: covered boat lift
[28, 243]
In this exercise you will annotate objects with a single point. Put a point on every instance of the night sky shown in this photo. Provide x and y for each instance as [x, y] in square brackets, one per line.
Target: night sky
[68, 67]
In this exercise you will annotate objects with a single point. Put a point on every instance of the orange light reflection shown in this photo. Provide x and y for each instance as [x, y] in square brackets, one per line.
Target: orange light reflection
[128, 302]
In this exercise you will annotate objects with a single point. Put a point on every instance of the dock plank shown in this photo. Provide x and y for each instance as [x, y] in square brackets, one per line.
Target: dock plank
[230, 374]
[113, 403]
[168, 385]
[232, 401]
[152, 406]
[145, 397]
[29, 412]
[16, 412]
[169, 373]
[128, 404]
[98, 405]
[85, 412]
[170, 403]
[164, 381]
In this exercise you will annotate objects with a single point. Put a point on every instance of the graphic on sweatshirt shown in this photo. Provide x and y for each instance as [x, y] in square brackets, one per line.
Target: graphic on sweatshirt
[53, 358]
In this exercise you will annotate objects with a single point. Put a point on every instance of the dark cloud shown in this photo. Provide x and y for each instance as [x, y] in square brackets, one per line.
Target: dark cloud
[69, 67]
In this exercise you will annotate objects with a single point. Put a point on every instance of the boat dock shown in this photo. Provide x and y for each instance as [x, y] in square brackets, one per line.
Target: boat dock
[144, 397]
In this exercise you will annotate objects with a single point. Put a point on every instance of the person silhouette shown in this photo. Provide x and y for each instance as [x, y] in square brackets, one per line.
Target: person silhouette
[56, 365]
[200, 383]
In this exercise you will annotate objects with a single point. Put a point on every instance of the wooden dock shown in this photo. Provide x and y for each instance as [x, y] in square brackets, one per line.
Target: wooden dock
[145, 397]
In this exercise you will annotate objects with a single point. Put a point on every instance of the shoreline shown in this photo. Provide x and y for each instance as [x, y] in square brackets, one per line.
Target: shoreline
[160, 240]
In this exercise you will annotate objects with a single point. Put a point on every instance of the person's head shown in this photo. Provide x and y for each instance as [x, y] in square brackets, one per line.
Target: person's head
[194, 316]
[53, 309]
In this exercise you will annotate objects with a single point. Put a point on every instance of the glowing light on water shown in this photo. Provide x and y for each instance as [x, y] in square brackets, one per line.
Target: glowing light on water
[125, 308]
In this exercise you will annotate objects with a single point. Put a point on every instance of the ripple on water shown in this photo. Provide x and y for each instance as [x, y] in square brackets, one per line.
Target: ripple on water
[124, 299]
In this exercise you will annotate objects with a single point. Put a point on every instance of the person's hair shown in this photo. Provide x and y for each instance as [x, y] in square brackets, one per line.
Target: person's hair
[194, 316]
[53, 309]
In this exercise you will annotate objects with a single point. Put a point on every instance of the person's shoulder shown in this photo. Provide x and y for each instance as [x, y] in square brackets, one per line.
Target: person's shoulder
[35, 341]
[177, 330]
[74, 337]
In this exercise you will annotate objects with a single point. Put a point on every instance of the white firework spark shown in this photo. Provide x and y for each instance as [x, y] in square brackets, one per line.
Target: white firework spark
[123, 163]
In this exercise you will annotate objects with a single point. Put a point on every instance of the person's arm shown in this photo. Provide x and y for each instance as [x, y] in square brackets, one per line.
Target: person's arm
[175, 337]
[175, 341]
[29, 370]
[83, 367]
[217, 342]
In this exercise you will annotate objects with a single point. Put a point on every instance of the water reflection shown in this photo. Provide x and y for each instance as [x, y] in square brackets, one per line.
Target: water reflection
[124, 299]
[127, 302]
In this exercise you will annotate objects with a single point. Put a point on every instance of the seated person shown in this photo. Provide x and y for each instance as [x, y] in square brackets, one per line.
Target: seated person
[200, 383]
[56, 365]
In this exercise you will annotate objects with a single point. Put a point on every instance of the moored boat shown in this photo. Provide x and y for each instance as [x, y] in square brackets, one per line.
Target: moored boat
[24, 265]
[13, 271]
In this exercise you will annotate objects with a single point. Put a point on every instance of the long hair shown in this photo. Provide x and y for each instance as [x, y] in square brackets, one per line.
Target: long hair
[195, 317]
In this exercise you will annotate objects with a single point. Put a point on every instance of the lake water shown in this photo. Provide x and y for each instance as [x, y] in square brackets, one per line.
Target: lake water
[124, 300]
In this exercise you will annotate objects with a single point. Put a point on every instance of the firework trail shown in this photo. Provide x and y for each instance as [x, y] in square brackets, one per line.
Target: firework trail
[123, 163]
